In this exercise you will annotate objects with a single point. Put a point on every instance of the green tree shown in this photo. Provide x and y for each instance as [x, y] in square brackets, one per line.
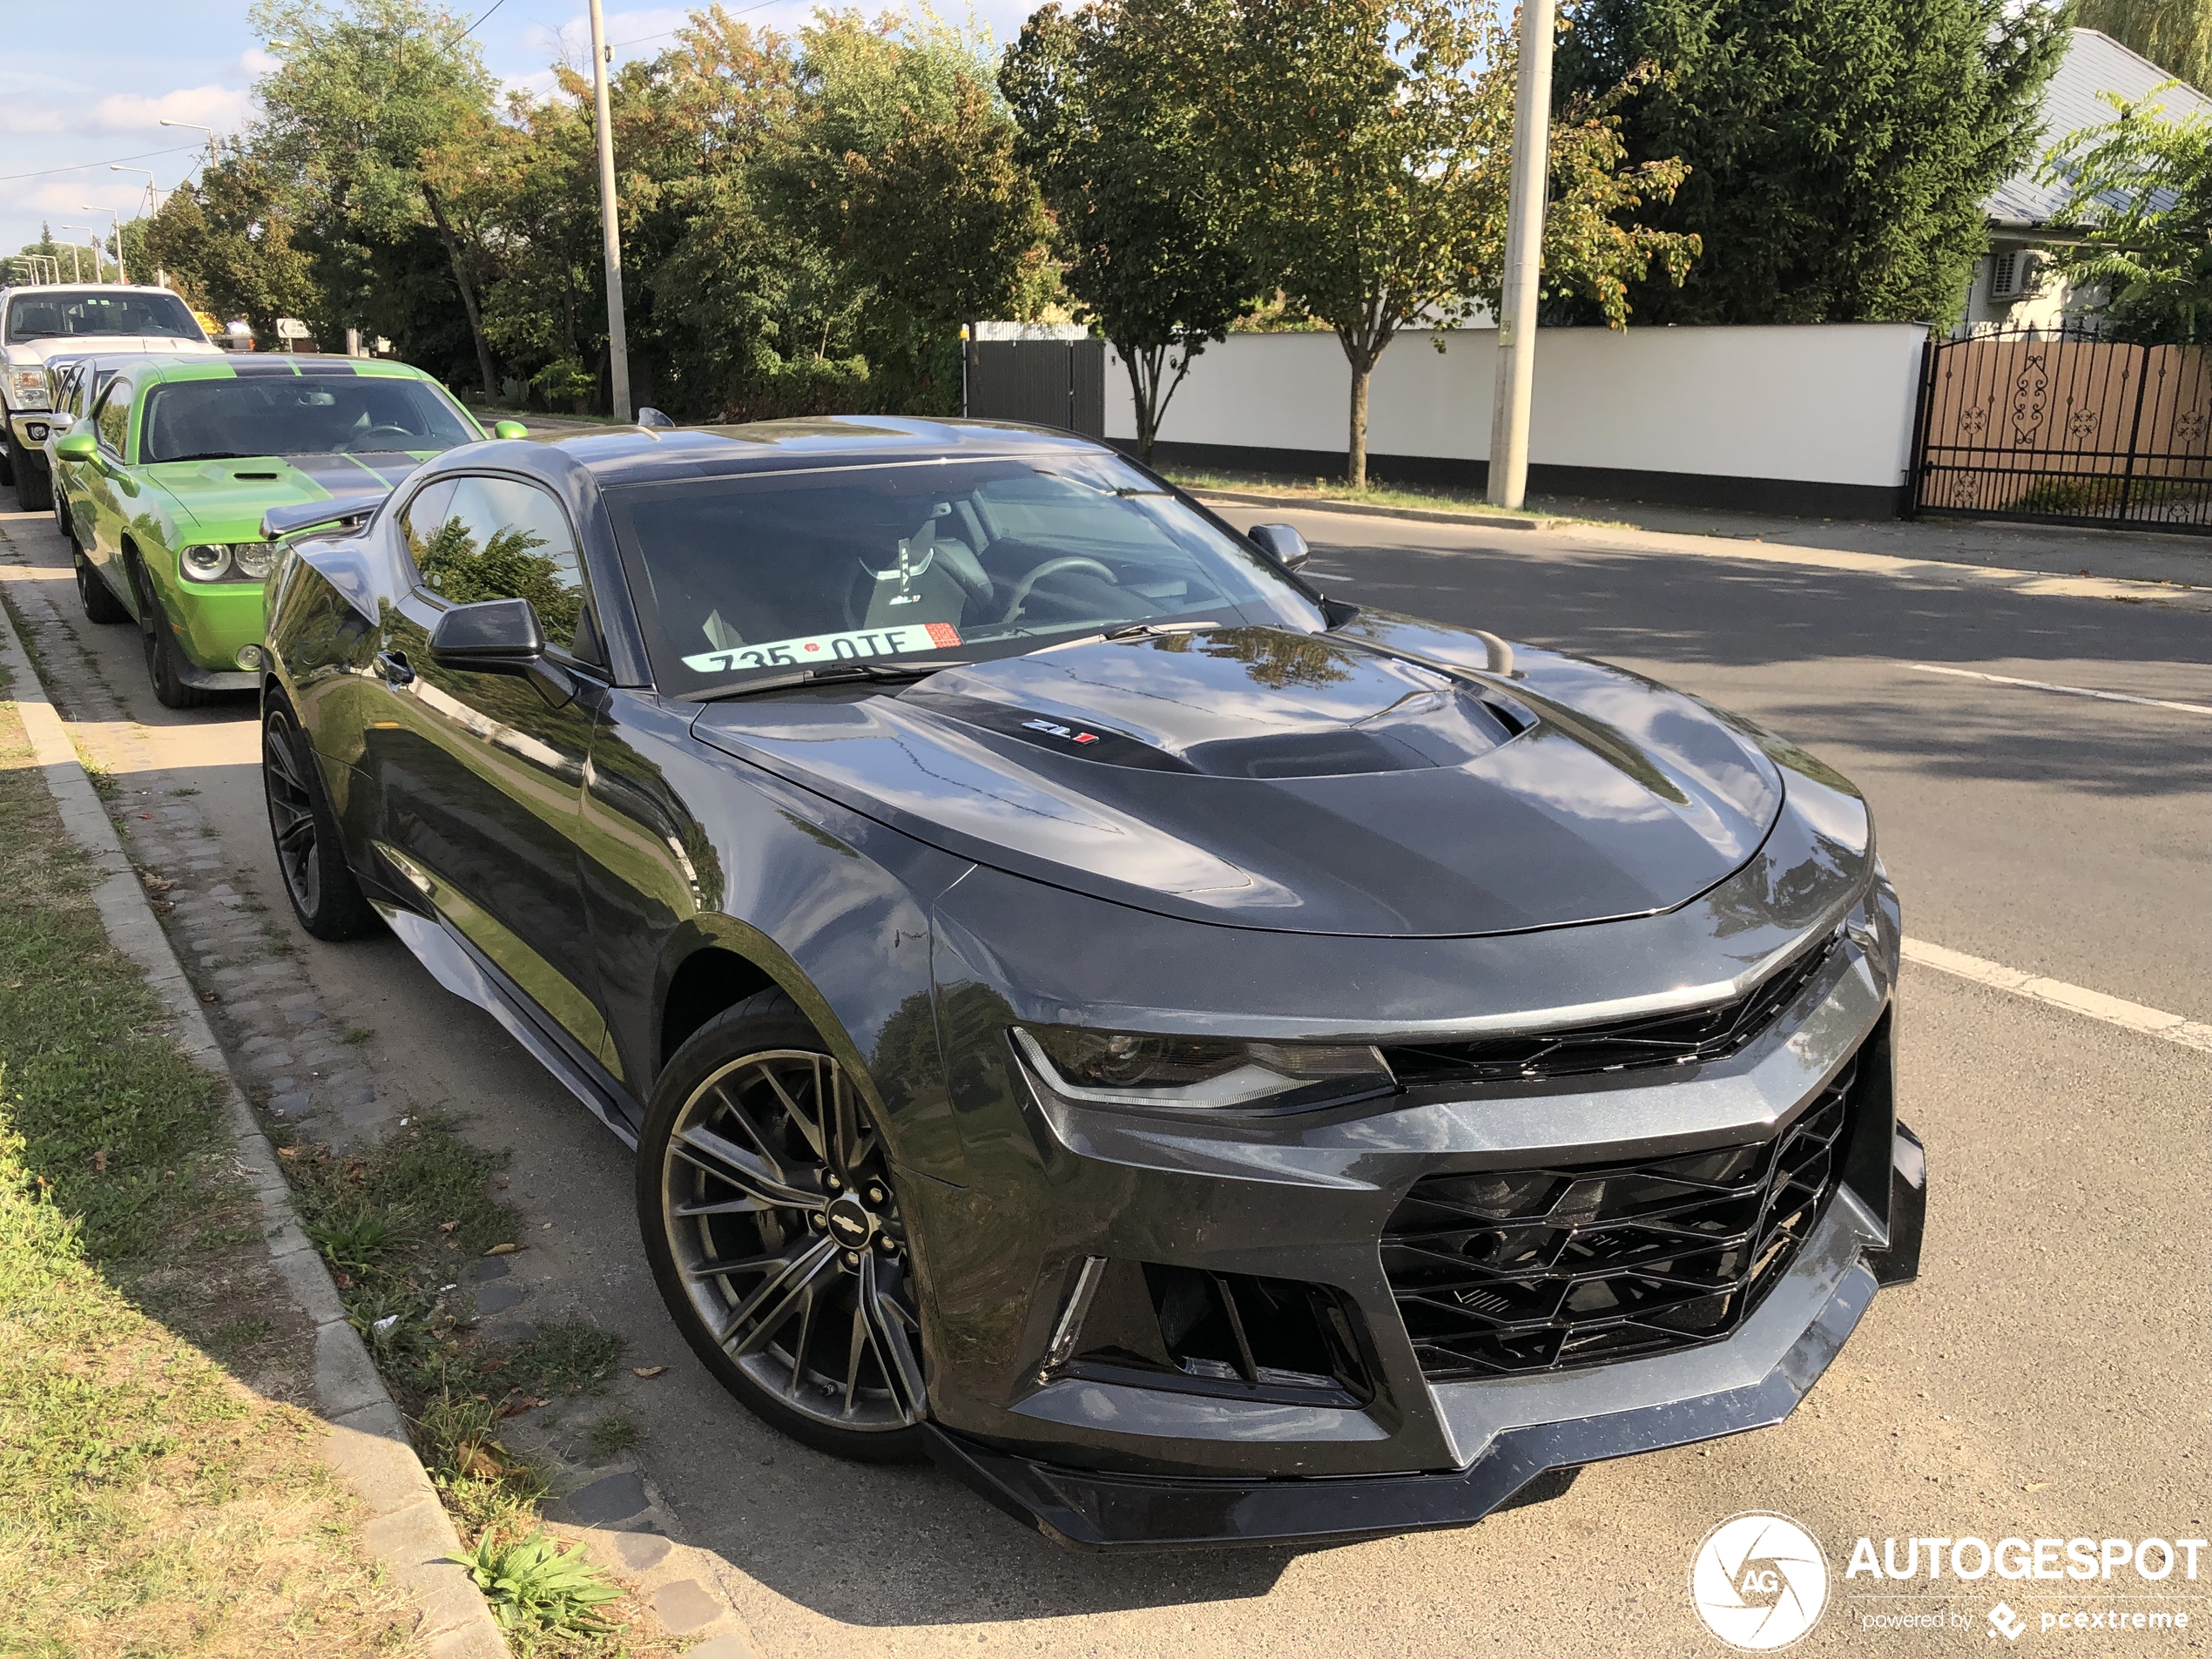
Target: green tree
[2141, 184]
[1114, 105]
[228, 242]
[358, 100]
[2176, 35]
[1372, 142]
[1840, 149]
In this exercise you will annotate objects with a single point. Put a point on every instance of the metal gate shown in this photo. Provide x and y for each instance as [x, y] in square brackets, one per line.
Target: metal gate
[1043, 383]
[2065, 428]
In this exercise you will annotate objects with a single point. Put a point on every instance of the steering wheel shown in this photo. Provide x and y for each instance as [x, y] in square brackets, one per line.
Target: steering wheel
[1039, 572]
[362, 441]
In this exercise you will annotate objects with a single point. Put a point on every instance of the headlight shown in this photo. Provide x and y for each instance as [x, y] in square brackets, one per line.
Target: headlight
[27, 388]
[206, 564]
[228, 561]
[1127, 1069]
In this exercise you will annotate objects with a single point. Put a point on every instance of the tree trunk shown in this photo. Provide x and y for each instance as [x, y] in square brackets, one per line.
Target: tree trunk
[1142, 397]
[1355, 469]
[467, 293]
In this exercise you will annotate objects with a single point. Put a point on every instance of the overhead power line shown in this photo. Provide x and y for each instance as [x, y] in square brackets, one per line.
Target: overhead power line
[81, 166]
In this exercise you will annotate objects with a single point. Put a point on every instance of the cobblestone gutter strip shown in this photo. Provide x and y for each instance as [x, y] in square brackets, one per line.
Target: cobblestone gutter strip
[408, 1529]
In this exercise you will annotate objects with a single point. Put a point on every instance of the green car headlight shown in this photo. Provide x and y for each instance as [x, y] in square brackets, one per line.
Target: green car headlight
[1128, 1069]
[228, 560]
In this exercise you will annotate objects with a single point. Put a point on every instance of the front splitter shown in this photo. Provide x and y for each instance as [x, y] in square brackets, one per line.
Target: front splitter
[1089, 1509]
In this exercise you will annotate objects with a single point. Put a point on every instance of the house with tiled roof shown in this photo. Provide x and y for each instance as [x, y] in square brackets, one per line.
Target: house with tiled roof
[2012, 286]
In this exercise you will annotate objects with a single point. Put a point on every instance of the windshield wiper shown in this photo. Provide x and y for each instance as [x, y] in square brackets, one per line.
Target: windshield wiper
[827, 673]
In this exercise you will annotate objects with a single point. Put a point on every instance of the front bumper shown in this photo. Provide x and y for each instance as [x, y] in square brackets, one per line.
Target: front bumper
[32, 427]
[212, 623]
[1678, 1399]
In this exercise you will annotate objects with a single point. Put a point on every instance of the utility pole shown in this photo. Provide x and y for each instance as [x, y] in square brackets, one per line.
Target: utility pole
[609, 222]
[1531, 123]
[121, 275]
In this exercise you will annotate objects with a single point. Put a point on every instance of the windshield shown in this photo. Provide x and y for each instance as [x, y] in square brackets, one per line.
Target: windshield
[62, 314]
[770, 573]
[297, 416]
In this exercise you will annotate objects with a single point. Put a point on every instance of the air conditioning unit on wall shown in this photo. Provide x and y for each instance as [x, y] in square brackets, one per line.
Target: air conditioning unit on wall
[2015, 273]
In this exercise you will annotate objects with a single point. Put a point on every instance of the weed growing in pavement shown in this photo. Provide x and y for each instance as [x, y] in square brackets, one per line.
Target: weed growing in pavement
[613, 1434]
[537, 1589]
[355, 1034]
[184, 791]
[571, 1358]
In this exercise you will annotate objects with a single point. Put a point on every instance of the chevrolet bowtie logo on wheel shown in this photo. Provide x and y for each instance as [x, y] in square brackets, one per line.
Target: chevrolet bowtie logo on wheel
[1759, 1581]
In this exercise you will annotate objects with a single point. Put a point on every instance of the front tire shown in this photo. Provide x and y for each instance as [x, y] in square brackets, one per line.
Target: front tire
[311, 857]
[34, 490]
[92, 591]
[776, 1237]
[171, 689]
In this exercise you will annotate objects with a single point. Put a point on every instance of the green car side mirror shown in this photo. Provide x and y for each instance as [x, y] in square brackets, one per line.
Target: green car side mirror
[509, 429]
[77, 446]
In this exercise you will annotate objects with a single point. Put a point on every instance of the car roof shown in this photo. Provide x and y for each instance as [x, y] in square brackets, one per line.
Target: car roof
[225, 366]
[646, 455]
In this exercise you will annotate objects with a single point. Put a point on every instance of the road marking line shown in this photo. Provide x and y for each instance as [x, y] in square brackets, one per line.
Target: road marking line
[2068, 690]
[2095, 1005]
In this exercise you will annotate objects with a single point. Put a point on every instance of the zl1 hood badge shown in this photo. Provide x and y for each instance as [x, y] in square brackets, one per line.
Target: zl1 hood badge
[1069, 732]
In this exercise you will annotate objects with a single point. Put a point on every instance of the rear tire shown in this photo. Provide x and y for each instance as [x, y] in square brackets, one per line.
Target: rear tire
[34, 490]
[171, 689]
[326, 898]
[99, 601]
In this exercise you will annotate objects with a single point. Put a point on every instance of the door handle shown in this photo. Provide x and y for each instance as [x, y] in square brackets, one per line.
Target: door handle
[392, 665]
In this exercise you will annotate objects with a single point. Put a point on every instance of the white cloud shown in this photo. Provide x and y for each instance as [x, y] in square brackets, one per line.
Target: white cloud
[21, 121]
[254, 61]
[223, 108]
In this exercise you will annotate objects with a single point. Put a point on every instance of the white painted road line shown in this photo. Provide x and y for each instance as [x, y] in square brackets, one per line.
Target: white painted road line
[2066, 691]
[2095, 1005]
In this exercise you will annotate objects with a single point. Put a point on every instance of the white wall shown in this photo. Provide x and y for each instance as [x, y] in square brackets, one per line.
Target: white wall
[1832, 403]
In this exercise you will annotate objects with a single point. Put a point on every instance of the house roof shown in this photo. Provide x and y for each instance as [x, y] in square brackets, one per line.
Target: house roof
[2093, 64]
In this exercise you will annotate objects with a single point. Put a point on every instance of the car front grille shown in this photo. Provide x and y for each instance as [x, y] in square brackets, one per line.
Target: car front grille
[1509, 1271]
[1710, 1033]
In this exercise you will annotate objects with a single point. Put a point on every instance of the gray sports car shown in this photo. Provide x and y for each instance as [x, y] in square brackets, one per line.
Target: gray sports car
[1203, 1060]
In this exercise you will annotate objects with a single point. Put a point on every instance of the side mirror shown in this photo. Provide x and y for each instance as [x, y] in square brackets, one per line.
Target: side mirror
[491, 637]
[77, 446]
[60, 423]
[1282, 544]
[509, 429]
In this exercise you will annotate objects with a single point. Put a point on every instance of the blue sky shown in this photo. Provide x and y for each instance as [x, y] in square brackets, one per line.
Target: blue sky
[88, 81]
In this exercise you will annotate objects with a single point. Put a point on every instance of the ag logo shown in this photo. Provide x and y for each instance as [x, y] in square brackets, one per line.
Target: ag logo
[1759, 1581]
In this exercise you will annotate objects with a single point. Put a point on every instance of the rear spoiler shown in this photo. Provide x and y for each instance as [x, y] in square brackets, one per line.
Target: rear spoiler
[280, 523]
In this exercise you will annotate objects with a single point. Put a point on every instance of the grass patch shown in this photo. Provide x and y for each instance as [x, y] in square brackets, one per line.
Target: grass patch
[355, 1034]
[151, 1502]
[1437, 498]
[615, 1434]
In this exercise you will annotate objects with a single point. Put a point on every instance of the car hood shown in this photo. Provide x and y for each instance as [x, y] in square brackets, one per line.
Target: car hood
[1372, 781]
[26, 352]
[226, 498]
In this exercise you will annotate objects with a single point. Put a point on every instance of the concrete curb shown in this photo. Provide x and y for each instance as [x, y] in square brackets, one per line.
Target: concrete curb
[407, 1529]
[1419, 515]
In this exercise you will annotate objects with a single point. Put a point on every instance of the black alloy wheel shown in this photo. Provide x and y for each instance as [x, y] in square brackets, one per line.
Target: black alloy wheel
[93, 593]
[33, 488]
[326, 898]
[776, 1237]
[61, 514]
[171, 689]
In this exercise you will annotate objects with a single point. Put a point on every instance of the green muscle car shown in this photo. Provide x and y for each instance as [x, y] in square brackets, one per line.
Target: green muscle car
[165, 478]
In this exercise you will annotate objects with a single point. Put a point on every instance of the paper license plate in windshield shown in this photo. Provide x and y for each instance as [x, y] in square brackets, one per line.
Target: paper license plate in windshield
[829, 648]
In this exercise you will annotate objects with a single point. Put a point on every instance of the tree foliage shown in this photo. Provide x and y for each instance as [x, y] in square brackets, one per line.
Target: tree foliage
[2142, 185]
[1372, 142]
[1114, 101]
[1839, 151]
[2176, 35]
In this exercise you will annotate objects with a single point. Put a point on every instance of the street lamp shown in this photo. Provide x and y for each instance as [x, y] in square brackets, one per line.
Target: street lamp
[122, 276]
[153, 195]
[77, 271]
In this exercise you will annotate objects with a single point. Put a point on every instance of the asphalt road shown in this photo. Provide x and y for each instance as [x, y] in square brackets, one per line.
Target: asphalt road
[2046, 1378]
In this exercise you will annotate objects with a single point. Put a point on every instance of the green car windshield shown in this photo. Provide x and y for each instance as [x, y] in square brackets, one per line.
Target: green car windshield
[962, 559]
[90, 315]
[283, 415]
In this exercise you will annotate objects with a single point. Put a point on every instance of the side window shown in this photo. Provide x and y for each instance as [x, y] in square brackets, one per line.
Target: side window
[425, 515]
[496, 538]
[112, 418]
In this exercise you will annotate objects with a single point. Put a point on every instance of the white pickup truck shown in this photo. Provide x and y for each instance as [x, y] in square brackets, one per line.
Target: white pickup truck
[53, 321]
